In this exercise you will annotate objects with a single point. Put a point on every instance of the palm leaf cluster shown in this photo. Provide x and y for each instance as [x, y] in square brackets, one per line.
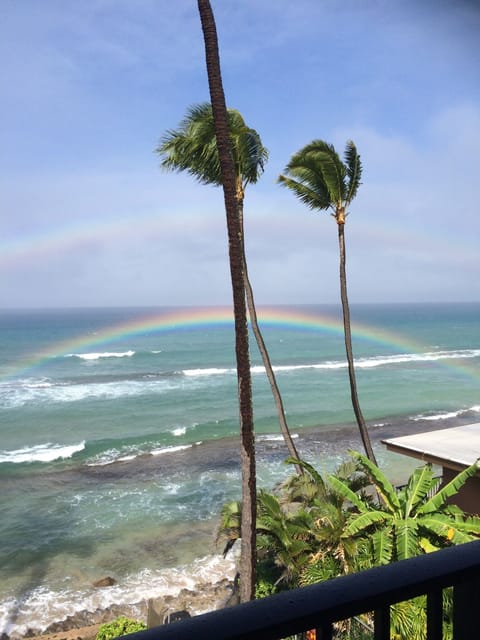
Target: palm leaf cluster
[192, 147]
[320, 179]
[300, 526]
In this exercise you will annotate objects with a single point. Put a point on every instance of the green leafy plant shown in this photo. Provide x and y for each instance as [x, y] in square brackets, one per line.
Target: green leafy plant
[407, 522]
[119, 627]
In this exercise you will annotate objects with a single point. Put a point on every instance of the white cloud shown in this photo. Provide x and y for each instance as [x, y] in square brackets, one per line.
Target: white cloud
[87, 217]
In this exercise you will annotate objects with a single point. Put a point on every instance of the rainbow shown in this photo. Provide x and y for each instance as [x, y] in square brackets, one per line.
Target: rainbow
[212, 317]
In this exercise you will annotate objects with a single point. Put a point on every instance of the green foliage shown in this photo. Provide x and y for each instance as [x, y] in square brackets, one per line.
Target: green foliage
[267, 579]
[119, 627]
[406, 523]
[314, 528]
[193, 147]
[319, 178]
[230, 525]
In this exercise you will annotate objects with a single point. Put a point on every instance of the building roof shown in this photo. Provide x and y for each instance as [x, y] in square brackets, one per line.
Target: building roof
[455, 448]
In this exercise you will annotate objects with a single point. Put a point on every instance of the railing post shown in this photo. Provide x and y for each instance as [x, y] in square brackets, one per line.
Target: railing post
[466, 609]
[382, 624]
[325, 632]
[435, 615]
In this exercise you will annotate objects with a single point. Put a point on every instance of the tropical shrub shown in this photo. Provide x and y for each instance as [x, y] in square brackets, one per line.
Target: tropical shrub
[313, 528]
[403, 523]
[119, 627]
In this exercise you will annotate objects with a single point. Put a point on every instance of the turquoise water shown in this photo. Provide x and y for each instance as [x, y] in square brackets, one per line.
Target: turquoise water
[118, 445]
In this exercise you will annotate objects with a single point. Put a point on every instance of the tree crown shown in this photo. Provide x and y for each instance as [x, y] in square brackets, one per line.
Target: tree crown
[320, 179]
[192, 147]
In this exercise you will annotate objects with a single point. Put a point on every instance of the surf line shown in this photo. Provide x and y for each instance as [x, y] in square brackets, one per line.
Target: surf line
[182, 319]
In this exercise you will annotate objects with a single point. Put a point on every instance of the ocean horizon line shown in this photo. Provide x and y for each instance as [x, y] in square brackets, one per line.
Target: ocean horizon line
[213, 305]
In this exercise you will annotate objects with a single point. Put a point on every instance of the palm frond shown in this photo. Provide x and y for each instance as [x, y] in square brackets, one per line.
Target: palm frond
[419, 484]
[470, 524]
[327, 568]
[312, 472]
[382, 541]
[318, 168]
[314, 196]
[193, 147]
[230, 515]
[250, 155]
[344, 490]
[361, 522]
[449, 531]
[406, 539]
[380, 481]
[354, 171]
[408, 619]
[333, 173]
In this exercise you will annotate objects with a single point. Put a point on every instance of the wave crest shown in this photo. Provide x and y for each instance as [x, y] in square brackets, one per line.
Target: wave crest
[47, 452]
[101, 355]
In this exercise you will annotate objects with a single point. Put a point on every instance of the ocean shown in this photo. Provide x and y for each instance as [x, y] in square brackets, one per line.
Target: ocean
[119, 433]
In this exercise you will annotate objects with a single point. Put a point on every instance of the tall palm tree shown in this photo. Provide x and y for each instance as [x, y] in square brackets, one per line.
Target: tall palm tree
[192, 148]
[317, 175]
[247, 442]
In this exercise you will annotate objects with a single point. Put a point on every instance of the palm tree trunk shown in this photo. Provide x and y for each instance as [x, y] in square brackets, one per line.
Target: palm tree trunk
[252, 311]
[217, 97]
[348, 346]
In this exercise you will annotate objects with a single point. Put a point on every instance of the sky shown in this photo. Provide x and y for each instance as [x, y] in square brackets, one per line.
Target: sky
[88, 218]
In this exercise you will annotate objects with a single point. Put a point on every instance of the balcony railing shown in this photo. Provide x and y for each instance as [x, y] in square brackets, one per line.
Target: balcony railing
[321, 605]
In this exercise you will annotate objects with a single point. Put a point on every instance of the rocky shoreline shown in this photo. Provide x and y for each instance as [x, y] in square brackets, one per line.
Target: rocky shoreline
[203, 596]
[84, 625]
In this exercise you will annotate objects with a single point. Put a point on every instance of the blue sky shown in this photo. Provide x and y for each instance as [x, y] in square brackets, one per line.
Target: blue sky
[87, 218]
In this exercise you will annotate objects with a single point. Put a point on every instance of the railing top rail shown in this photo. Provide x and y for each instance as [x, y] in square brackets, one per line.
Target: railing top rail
[297, 610]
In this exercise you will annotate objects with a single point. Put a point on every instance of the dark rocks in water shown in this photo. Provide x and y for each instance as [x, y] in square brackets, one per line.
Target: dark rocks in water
[105, 582]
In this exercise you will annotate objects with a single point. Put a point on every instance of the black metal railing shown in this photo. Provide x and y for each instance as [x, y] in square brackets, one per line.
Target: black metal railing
[321, 605]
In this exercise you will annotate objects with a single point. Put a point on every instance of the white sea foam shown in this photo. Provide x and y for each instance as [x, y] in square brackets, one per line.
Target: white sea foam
[179, 431]
[41, 453]
[42, 606]
[446, 415]
[127, 458]
[381, 361]
[126, 454]
[211, 371]
[274, 438]
[40, 384]
[25, 393]
[162, 450]
[101, 355]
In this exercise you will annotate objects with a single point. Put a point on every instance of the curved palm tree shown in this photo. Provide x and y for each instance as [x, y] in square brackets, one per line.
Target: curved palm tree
[317, 175]
[235, 245]
[192, 148]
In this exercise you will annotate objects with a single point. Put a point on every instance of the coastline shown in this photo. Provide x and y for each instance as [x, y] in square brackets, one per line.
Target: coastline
[85, 625]
[199, 589]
